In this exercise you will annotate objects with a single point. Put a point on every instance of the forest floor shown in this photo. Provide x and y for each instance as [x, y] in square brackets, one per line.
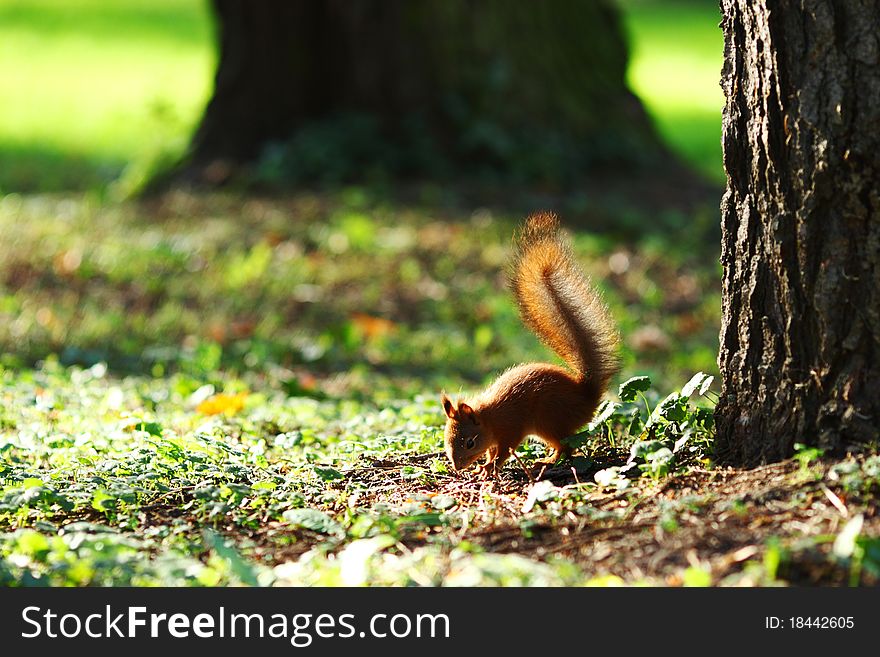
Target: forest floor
[774, 524]
[207, 390]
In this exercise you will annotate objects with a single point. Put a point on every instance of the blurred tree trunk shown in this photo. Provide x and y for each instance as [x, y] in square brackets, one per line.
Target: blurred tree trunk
[800, 338]
[476, 80]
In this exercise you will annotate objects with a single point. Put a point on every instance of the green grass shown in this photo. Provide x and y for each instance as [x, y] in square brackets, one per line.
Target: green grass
[675, 68]
[282, 475]
[97, 473]
[332, 323]
[295, 283]
[90, 86]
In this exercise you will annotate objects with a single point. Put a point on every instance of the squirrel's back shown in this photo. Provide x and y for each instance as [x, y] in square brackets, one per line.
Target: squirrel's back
[558, 303]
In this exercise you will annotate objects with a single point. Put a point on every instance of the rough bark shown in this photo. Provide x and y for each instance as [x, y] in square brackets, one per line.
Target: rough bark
[477, 81]
[801, 227]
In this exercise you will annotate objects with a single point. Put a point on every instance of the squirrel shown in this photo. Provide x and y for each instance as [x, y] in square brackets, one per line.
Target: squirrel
[558, 304]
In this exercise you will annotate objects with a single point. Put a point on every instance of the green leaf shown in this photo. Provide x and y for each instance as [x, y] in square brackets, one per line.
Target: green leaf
[483, 336]
[661, 456]
[103, 501]
[607, 476]
[443, 502]
[427, 518]
[31, 542]
[806, 454]
[706, 383]
[682, 440]
[635, 423]
[704, 416]
[672, 408]
[845, 543]
[605, 411]
[540, 491]
[328, 474]
[439, 466]
[152, 428]
[641, 449]
[869, 554]
[630, 387]
[696, 381]
[578, 440]
[294, 388]
[773, 557]
[241, 568]
[658, 462]
[695, 576]
[313, 519]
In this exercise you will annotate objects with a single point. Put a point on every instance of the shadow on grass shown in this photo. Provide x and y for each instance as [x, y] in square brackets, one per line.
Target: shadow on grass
[42, 169]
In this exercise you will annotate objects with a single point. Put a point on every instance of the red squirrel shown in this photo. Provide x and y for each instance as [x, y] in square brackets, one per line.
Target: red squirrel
[557, 302]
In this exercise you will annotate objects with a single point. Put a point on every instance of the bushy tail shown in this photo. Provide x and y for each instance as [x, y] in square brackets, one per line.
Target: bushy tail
[557, 302]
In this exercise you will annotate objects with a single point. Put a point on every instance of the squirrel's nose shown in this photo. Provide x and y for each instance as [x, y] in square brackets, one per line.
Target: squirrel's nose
[455, 466]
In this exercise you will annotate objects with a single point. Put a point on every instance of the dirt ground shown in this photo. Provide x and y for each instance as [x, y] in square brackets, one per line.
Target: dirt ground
[723, 521]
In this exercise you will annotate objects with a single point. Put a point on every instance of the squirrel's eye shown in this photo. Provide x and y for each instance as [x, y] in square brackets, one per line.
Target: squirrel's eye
[470, 443]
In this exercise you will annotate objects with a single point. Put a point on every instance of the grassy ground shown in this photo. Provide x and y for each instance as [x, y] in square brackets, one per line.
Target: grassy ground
[155, 481]
[332, 281]
[248, 393]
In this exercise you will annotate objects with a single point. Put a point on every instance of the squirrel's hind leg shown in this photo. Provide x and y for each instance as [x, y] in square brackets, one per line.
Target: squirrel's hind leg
[557, 450]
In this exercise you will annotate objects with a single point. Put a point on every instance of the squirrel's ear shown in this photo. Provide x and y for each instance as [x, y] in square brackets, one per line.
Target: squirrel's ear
[448, 408]
[467, 413]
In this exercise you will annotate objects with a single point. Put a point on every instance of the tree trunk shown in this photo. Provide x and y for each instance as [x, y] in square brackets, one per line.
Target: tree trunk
[537, 86]
[801, 227]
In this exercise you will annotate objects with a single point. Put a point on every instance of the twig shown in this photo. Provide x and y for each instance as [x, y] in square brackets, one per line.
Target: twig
[424, 457]
[522, 465]
[155, 501]
[835, 500]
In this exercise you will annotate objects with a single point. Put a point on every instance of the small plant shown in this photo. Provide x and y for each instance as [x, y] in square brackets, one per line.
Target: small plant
[807, 456]
[674, 434]
[858, 551]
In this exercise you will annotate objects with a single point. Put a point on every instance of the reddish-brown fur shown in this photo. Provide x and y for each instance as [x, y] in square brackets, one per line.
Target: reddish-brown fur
[557, 302]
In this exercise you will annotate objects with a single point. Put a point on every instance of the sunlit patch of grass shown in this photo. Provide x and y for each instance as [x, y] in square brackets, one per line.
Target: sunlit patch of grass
[88, 86]
[675, 67]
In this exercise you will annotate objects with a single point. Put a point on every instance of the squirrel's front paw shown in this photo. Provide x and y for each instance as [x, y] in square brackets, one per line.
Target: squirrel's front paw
[489, 470]
[540, 466]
